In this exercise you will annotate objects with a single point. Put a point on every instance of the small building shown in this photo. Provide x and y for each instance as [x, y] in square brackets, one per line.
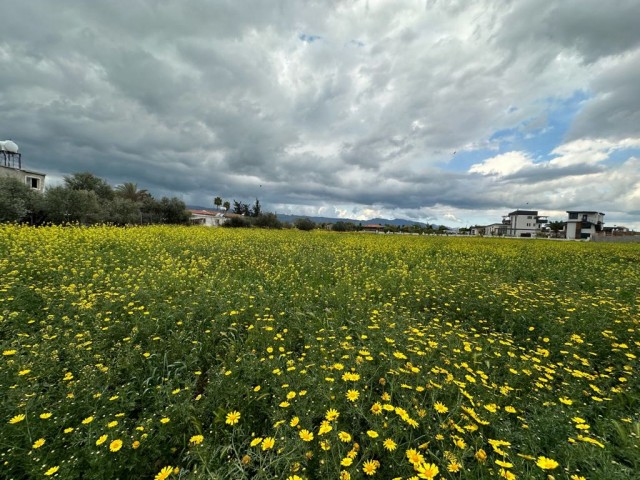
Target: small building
[582, 225]
[523, 223]
[11, 166]
[373, 227]
[496, 230]
[208, 218]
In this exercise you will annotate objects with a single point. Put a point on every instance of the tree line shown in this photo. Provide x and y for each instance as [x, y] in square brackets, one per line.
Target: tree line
[87, 199]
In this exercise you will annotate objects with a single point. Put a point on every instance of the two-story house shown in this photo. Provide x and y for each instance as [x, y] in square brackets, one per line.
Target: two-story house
[582, 225]
[523, 223]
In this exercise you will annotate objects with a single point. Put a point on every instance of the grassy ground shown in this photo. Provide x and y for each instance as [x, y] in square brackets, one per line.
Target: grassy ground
[166, 352]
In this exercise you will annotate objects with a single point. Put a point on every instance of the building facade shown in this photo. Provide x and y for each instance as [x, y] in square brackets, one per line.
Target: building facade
[523, 223]
[583, 225]
[34, 180]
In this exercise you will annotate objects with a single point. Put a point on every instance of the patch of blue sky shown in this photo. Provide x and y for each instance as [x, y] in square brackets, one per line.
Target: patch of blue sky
[538, 137]
[618, 157]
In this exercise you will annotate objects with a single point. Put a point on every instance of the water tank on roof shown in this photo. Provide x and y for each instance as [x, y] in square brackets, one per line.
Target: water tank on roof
[9, 146]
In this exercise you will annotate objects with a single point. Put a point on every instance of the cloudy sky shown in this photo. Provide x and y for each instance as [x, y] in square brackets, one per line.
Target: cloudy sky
[446, 111]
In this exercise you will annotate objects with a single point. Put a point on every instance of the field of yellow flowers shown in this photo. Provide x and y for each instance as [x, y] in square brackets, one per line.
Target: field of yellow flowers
[174, 352]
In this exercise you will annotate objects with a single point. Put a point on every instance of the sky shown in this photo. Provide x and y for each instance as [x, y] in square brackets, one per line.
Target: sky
[442, 111]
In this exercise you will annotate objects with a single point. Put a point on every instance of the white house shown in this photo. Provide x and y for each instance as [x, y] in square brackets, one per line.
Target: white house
[207, 218]
[584, 224]
[11, 166]
[496, 230]
[523, 223]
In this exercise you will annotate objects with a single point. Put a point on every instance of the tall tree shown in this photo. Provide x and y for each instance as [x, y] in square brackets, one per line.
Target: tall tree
[217, 202]
[226, 205]
[89, 182]
[256, 210]
[130, 191]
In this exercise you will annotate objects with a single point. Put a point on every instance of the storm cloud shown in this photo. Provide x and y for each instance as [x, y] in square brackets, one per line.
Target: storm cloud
[442, 111]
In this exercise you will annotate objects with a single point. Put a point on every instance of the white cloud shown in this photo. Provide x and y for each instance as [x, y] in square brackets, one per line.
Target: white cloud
[503, 164]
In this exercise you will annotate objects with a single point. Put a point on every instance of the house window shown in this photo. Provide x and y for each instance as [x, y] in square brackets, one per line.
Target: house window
[573, 216]
[32, 182]
[584, 218]
[529, 217]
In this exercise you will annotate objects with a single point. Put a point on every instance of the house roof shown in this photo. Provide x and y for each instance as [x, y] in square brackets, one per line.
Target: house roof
[208, 213]
[524, 212]
[584, 211]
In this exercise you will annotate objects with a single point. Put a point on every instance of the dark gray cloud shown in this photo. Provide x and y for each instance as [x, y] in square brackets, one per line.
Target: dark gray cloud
[340, 104]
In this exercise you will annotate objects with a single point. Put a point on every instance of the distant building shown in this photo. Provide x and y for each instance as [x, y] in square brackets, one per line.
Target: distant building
[582, 225]
[496, 230]
[373, 227]
[11, 166]
[523, 223]
[211, 218]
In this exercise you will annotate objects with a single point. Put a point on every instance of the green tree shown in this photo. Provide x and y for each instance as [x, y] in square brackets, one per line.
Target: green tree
[15, 198]
[304, 224]
[556, 227]
[64, 205]
[217, 202]
[267, 220]
[174, 211]
[89, 182]
[129, 191]
[226, 206]
[123, 211]
[256, 210]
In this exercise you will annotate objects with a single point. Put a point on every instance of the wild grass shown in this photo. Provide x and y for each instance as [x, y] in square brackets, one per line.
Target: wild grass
[129, 351]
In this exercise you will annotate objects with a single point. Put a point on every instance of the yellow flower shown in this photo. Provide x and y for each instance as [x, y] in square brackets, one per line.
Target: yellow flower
[440, 407]
[426, 470]
[376, 408]
[38, 443]
[87, 420]
[454, 466]
[68, 430]
[112, 424]
[232, 418]
[546, 463]
[352, 395]
[389, 444]
[294, 422]
[344, 437]
[414, 457]
[115, 445]
[372, 433]
[332, 414]
[504, 464]
[481, 456]
[255, 441]
[196, 440]
[164, 473]
[268, 443]
[346, 462]
[8, 353]
[306, 435]
[26, 371]
[51, 471]
[370, 467]
[325, 427]
[165, 420]
[45, 415]
[101, 440]
[17, 419]
[135, 445]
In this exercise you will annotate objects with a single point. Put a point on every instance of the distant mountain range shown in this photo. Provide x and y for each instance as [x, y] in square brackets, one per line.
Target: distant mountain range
[399, 222]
